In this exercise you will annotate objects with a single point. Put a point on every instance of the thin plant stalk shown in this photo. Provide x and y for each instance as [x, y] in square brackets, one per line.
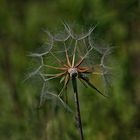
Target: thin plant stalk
[74, 68]
[78, 114]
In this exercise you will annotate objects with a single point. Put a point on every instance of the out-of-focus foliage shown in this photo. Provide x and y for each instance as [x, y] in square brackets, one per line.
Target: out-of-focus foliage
[21, 31]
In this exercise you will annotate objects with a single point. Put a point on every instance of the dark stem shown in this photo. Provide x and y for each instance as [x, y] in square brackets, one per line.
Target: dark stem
[78, 115]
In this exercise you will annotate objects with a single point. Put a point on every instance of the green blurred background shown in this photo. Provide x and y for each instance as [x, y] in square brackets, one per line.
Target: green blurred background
[21, 24]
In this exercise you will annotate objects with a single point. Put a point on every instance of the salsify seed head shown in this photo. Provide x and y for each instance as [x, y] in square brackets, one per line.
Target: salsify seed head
[66, 55]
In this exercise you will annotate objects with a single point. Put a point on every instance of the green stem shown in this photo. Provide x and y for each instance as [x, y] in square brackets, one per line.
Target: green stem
[78, 115]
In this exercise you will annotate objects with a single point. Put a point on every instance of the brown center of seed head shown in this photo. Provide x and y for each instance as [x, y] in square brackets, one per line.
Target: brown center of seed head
[73, 72]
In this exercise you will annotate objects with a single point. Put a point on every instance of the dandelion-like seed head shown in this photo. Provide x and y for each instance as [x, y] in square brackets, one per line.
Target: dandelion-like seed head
[68, 55]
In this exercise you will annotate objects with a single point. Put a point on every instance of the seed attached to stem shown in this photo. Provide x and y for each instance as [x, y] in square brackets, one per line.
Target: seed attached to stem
[73, 72]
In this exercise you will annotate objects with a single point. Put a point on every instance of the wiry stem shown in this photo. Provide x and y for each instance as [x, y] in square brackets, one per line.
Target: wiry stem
[78, 115]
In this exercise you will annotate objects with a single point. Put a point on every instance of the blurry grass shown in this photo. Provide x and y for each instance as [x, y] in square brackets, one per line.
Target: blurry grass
[103, 119]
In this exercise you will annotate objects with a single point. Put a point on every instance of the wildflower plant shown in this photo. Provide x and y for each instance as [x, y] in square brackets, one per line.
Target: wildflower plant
[66, 57]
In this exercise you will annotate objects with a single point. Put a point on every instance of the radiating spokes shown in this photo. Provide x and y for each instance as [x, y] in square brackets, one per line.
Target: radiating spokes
[51, 76]
[74, 53]
[67, 56]
[83, 58]
[66, 81]
[77, 37]
[87, 81]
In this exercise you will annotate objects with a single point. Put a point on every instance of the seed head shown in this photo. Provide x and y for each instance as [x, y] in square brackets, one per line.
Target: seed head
[68, 55]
